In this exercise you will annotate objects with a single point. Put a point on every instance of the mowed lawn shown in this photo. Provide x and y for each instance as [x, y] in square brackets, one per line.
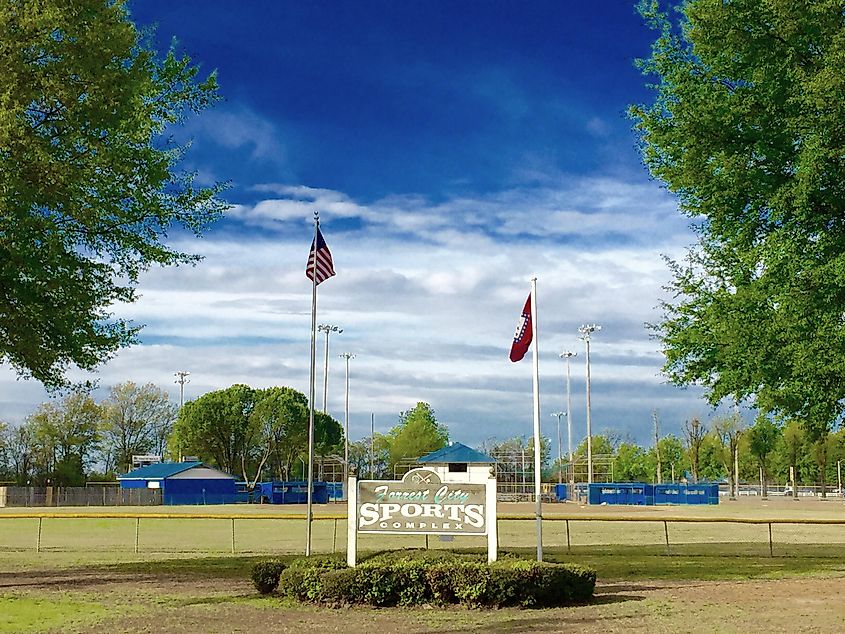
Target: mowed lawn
[715, 576]
[573, 528]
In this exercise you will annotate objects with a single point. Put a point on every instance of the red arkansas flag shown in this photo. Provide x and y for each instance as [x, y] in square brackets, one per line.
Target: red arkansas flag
[524, 333]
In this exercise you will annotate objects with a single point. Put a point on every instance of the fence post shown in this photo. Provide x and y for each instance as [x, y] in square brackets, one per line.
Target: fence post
[334, 537]
[137, 530]
[771, 547]
[38, 541]
[666, 531]
[568, 543]
[233, 535]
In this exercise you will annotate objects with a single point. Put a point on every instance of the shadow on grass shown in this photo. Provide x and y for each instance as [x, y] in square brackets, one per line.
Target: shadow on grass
[620, 563]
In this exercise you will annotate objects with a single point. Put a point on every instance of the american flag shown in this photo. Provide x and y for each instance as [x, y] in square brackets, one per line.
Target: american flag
[325, 266]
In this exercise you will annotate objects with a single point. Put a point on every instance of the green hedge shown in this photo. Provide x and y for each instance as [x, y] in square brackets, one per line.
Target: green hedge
[415, 580]
[265, 575]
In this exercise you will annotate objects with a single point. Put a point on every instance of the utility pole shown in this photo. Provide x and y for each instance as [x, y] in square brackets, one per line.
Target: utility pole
[327, 328]
[586, 330]
[347, 356]
[181, 379]
[657, 445]
[372, 441]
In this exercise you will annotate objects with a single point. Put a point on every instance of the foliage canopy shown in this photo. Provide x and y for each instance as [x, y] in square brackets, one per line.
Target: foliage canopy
[89, 188]
[748, 130]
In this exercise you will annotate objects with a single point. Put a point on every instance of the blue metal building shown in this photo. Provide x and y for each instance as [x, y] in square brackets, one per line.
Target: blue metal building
[183, 483]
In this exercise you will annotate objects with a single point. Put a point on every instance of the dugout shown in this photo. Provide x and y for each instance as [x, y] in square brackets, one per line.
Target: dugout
[293, 492]
[644, 494]
[184, 483]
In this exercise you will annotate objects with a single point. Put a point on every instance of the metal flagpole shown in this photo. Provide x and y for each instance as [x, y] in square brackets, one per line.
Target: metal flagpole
[538, 504]
[372, 440]
[309, 511]
[347, 356]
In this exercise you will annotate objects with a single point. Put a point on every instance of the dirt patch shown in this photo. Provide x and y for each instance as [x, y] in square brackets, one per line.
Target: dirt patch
[173, 603]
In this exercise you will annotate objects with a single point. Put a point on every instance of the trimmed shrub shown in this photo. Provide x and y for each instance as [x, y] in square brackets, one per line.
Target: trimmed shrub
[265, 575]
[408, 579]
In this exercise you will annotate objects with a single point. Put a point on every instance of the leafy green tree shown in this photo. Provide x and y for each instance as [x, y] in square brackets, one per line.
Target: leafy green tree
[245, 431]
[792, 452]
[217, 428]
[822, 446]
[727, 430]
[89, 184]
[135, 420]
[328, 435]
[279, 422]
[711, 465]
[763, 438]
[20, 450]
[746, 129]
[604, 450]
[65, 439]
[417, 434]
[671, 456]
[631, 464]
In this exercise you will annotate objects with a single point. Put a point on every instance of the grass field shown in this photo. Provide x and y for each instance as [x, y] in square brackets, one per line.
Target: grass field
[185, 579]
[255, 529]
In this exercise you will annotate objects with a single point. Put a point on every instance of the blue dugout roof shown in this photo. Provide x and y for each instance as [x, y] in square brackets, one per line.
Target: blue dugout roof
[159, 471]
[457, 452]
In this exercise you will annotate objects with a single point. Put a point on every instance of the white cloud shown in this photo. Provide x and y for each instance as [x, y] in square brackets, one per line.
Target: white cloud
[428, 295]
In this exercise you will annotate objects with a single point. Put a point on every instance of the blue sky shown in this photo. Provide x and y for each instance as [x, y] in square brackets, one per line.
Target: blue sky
[453, 150]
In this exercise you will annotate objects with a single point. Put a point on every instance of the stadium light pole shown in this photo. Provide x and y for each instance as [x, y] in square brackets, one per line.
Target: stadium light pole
[327, 328]
[181, 379]
[586, 331]
[567, 355]
[347, 356]
[559, 447]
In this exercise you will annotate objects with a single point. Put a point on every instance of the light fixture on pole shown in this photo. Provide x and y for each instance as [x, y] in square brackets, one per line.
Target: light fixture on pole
[559, 448]
[327, 328]
[347, 356]
[181, 379]
[567, 355]
[587, 330]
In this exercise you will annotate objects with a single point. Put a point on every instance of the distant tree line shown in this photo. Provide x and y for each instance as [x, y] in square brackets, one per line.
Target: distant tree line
[255, 434]
[706, 453]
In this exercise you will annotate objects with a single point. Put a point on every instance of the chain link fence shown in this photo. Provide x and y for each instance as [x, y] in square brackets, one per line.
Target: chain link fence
[281, 534]
[78, 496]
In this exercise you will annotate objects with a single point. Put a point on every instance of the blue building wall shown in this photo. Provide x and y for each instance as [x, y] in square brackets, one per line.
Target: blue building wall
[188, 491]
[641, 493]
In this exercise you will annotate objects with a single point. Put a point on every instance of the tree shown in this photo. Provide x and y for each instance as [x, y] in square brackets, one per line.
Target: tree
[417, 434]
[747, 130]
[671, 455]
[135, 418]
[631, 464]
[217, 428]
[763, 438]
[20, 448]
[604, 450]
[65, 437]
[694, 433]
[244, 431]
[88, 186]
[726, 430]
[280, 420]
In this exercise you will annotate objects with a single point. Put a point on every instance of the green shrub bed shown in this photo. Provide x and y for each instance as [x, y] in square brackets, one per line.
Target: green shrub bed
[417, 579]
